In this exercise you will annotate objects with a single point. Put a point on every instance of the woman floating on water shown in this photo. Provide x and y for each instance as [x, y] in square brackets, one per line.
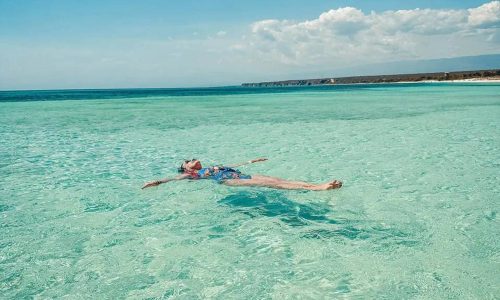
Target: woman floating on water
[192, 169]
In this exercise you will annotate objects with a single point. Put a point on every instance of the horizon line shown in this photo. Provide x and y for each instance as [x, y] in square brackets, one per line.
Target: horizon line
[243, 84]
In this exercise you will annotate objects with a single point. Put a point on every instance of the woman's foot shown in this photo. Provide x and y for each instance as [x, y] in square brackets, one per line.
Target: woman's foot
[327, 186]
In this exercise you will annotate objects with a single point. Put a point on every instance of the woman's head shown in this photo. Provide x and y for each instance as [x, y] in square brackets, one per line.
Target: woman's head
[190, 165]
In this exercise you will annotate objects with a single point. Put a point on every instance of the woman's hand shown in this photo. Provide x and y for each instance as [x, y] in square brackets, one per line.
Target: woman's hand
[258, 159]
[151, 183]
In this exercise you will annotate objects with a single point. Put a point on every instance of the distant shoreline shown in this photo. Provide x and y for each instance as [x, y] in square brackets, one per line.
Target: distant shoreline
[462, 76]
[479, 79]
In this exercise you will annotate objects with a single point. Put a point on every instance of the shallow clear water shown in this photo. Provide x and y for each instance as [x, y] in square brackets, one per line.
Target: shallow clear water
[416, 218]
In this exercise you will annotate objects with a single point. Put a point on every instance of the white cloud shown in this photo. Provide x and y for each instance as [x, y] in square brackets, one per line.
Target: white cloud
[487, 15]
[419, 21]
[348, 36]
[343, 21]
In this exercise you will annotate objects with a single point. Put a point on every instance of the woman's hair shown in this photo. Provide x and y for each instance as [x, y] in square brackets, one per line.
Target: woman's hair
[181, 169]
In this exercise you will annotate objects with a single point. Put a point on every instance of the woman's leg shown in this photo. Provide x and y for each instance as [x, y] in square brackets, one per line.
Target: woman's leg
[264, 177]
[278, 183]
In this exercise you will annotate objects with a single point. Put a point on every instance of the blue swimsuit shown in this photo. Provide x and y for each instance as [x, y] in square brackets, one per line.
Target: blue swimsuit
[221, 174]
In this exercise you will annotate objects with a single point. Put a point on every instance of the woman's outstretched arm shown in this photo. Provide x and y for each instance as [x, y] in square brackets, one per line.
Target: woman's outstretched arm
[165, 180]
[247, 162]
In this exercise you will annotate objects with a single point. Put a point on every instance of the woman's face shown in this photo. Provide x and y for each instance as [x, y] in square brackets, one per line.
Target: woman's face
[193, 164]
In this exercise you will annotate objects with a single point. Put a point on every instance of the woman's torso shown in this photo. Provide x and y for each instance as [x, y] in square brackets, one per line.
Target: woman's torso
[220, 173]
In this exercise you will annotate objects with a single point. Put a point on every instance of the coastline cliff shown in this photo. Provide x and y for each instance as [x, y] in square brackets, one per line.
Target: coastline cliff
[439, 76]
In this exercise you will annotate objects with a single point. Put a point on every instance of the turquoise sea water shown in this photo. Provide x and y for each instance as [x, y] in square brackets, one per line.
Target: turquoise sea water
[417, 216]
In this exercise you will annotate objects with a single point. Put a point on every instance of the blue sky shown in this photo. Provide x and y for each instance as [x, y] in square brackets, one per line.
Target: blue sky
[97, 44]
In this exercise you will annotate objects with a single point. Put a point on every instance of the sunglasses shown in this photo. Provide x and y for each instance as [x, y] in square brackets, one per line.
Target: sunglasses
[193, 159]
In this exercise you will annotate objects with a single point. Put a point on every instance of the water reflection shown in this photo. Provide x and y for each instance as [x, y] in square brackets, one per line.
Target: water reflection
[276, 204]
[318, 221]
